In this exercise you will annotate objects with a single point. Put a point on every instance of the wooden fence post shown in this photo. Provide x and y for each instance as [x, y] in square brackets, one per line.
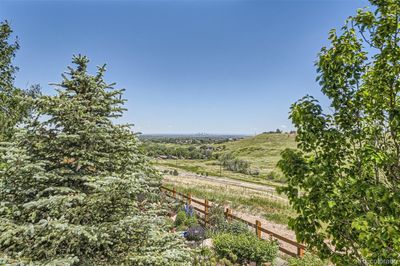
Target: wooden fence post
[205, 211]
[174, 192]
[189, 198]
[258, 229]
[300, 252]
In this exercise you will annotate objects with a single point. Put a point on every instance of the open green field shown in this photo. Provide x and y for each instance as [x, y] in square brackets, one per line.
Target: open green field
[261, 151]
[239, 199]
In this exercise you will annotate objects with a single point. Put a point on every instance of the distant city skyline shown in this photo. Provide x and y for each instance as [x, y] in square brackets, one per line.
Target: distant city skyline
[216, 67]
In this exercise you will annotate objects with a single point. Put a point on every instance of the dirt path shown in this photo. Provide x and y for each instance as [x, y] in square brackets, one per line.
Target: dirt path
[270, 191]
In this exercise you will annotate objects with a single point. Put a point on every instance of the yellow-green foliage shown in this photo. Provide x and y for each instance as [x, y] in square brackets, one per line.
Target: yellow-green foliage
[262, 151]
[308, 260]
[244, 248]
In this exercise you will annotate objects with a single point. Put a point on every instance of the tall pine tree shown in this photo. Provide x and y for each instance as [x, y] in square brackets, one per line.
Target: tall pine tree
[15, 103]
[77, 190]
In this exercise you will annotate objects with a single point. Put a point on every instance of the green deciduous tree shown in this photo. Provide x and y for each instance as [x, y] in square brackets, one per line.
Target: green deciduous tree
[76, 189]
[344, 180]
[15, 104]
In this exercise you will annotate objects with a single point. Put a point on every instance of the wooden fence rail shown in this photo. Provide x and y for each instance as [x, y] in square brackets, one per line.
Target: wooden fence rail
[229, 216]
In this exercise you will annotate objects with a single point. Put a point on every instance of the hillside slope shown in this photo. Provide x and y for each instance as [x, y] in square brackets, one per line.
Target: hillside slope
[262, 151]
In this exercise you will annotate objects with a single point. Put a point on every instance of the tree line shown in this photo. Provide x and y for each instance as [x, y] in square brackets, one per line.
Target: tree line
[182, 152]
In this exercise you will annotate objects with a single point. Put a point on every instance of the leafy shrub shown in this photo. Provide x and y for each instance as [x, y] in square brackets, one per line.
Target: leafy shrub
[254, 172]
[195, 233]
[204, 256]
[307, 260]
[225, 262]
[230, 162]
[207, 257]
[181, 228]
[184, 219]
[191, 221]
[244, 248]
[180, 218]
[216, 215]
[233, 228]
[218, 224]
[276, 176]
[169, 224]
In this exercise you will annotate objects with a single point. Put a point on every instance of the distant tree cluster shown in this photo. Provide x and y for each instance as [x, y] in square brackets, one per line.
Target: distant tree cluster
[194, 139]
[231, 163]
[182, 152]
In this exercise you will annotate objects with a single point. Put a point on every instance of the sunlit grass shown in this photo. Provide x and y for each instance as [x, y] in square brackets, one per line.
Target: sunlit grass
[273, 210]
[262, 151]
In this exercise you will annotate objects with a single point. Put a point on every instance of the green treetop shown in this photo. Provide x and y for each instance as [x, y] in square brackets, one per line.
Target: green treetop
[92, 198]
[15, 104]
[344, 180]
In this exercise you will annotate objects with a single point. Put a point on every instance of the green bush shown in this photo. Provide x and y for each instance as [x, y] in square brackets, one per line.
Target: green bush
[191, 221]
[169, 224]
[233, 228]
[245, 248]
[206, 257]
[216, 215]
[180, 218]
[308, 260]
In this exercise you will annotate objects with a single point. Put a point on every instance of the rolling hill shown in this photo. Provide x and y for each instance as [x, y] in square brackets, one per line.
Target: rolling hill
[262, 151]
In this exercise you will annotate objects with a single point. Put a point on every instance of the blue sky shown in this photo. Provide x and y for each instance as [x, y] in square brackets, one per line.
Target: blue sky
[187, 66]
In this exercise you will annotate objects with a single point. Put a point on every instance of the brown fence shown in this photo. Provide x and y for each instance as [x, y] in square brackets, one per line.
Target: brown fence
[229, 216]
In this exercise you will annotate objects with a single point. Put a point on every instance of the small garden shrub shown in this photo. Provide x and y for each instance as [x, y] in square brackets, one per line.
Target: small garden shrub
[308, 260]
[207, 257]
[216, 215]
[233, 228]
[180, 218]
[191, 221]
[169, 224]
[244, 248]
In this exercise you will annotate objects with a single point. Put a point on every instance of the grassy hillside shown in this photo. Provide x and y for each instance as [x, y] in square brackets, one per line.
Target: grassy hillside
[262, 151]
